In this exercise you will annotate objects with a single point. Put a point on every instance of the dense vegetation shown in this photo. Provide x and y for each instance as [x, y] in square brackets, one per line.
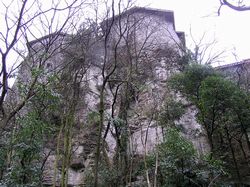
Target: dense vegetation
[223, 111]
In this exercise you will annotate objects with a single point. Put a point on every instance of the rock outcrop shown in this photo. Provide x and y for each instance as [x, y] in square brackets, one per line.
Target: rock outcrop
[139, 54]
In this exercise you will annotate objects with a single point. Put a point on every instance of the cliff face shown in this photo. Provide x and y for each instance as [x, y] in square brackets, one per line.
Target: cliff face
[128, 67]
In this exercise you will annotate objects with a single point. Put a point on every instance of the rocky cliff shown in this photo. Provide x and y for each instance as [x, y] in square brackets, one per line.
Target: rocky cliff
[122, 72]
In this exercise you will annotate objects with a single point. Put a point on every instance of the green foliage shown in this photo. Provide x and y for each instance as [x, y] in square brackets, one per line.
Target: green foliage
[189, 81]
[25, 168]
[108, 176]
[36, 72]
[241, 106]
[217, 90]
[118, 122]
[220, 102]
[93, 118]
[223, 110]
[176, 158]
[3, 152]
[21, 156]
[215, 99]
[210, 171]
[45, 98]
[171, 111]
[213, 165]
[176, 146]
[179, 164]
[223, 104]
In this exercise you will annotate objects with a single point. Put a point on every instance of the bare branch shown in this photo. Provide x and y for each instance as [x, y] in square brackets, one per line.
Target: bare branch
[239, 7]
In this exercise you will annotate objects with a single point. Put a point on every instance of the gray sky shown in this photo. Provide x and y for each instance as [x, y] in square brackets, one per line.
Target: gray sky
[231, 29]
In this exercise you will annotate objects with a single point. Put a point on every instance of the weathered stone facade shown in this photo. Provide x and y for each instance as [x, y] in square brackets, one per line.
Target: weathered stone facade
[238, 72]
[145, 47]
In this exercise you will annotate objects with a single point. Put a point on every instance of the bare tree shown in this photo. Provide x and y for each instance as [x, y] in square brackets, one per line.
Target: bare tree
[25, 20]
[108, 69]
[129, 48]
[133, 48]
[203, 51]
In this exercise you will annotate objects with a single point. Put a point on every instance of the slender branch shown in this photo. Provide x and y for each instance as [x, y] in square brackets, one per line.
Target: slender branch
[238, 7]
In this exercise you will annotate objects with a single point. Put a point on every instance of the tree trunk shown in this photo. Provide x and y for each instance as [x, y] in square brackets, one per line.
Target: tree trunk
[233, 154]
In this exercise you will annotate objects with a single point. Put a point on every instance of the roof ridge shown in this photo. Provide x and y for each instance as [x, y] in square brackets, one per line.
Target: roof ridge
[245, 61]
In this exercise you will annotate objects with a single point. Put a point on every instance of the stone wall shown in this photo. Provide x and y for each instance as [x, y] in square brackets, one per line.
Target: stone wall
[238, 72]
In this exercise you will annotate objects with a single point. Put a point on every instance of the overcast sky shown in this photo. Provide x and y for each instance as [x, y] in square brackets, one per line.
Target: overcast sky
[231, 29]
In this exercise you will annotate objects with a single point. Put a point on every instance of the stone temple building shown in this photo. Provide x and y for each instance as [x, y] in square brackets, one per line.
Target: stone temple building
[135, 52]
[238, 72]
